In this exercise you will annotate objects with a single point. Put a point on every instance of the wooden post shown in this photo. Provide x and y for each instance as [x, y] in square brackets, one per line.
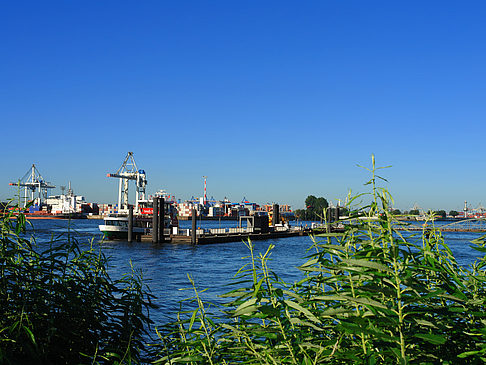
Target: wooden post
[193, 233]
[276, 214]
[328, 220]
[155, 221]
[161, 219]
[130, 224]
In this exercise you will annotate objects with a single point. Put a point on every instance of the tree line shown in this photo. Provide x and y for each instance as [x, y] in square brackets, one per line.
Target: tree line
[314, 210]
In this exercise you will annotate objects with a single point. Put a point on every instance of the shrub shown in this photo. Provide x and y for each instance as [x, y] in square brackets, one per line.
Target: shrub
[60, 306]
[370, 294]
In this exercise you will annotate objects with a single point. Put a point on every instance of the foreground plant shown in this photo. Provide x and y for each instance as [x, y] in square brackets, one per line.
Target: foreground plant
[371, 294]
[60, 306]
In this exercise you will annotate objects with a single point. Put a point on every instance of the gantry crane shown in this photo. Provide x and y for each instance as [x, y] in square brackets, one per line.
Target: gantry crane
[33, 180]
[129, 171]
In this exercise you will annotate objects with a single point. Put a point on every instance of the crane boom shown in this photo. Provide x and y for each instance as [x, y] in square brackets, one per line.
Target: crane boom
[33, 180]
[123, 176]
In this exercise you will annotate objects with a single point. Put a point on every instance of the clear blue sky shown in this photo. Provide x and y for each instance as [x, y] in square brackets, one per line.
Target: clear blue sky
[271, 100]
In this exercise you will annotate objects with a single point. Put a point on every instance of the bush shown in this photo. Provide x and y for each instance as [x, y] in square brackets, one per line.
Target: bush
[60, 306]
[368, 295]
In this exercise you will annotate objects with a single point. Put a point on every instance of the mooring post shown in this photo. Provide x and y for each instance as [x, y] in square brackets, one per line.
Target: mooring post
[130, 224]
[193, 233]
[276, 214]
[155, 221]
[161, 219]
[328, 220]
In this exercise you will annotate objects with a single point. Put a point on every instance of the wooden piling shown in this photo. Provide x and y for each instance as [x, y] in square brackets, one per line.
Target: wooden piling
[155, 221]
[130, 224]
[161, 219]
[276, 214]
[193, 232]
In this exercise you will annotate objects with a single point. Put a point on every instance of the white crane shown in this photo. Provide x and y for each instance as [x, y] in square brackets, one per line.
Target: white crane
[129, 171]
[33, 180]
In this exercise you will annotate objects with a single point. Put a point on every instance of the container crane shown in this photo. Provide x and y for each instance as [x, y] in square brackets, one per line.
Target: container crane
[33, 180]
[129, 171]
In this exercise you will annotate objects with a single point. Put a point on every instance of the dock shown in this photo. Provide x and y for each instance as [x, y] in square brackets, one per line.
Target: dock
[207, 237]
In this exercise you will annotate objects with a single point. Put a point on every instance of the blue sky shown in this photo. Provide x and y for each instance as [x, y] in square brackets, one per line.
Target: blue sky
[271, 100]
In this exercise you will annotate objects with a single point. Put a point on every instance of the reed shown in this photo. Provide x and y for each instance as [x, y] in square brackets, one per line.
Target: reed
[368, 295]
[60, 306]
[371, 294]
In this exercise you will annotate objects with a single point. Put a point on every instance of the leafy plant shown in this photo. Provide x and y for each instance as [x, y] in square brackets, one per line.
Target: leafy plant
[371, 294]
[60, 306]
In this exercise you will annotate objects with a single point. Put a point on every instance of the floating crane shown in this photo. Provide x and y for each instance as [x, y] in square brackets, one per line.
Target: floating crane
[129, 171]
[33, 180]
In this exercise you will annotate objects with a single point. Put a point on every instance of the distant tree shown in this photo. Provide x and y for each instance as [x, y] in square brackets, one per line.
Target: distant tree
[414, 212]
[310, 201]
[396, 212]
[343, 211]
[441, 213]
[453, 213]
[315, 207]
[406, 212]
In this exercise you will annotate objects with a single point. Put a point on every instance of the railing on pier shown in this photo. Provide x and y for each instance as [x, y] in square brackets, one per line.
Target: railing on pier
[464, 225]
[473, 225]
[230, 231]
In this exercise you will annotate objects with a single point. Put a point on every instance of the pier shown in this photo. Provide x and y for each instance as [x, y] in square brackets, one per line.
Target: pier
[225, 235]
[157, 228]
[464, 225]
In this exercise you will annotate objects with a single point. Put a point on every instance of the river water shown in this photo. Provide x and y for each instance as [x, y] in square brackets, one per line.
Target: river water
[166, 266]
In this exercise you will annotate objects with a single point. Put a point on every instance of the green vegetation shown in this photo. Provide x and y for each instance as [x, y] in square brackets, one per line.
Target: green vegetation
[453, 213]
[441, 213]
[314, 209]
[60, 306]
[367, 295]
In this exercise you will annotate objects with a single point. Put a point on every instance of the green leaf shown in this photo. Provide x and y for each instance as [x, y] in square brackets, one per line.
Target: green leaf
[329, 235]
[368, 264]
[433, 339]
[30, 334]
[193, 317]
[246, 307]
[423, 322]
[477, 248]
[467, 354]
[298, 321]
[364, 301]
[303, 310]
[257, 288]
[310, 262]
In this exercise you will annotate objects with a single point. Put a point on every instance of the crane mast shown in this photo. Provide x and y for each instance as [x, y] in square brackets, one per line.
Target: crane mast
[33, 181]
[129, 171]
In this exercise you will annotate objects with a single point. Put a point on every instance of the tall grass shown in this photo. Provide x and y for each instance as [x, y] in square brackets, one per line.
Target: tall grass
[60, 306]
[368, 295]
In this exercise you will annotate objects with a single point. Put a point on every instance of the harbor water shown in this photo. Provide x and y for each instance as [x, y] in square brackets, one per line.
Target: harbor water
[166, 266]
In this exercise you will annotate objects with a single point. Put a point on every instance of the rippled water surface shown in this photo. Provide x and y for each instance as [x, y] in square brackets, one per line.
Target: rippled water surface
[166, 266]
